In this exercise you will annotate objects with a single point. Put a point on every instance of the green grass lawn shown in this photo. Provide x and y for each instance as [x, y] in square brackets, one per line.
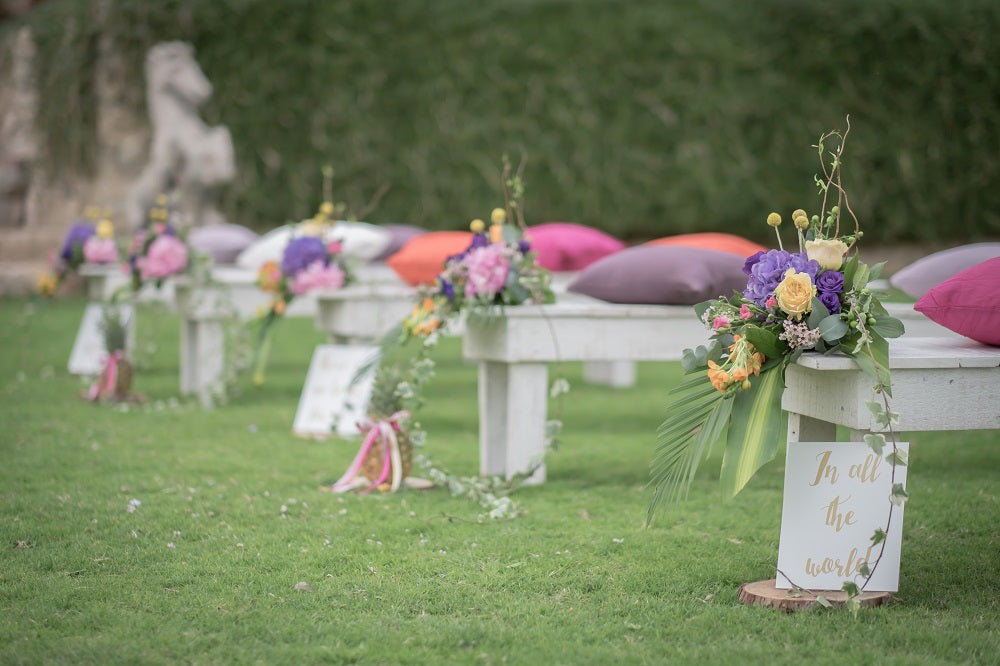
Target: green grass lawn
[233, 515]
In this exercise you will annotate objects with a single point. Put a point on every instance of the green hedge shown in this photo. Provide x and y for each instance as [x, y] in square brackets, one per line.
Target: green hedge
[644, 118]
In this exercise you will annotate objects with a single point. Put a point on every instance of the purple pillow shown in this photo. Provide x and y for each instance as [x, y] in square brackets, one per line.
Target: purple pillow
[935, 268]
[399, 234]
[223, 242]
[563, 246]
[968, 303]
[662, 275]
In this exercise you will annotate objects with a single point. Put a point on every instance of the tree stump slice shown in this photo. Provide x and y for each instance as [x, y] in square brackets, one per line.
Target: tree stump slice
[764, 593]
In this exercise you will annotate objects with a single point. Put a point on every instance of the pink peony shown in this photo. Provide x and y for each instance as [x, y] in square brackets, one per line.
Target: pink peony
[487, 270]
[166, 256]
[98, 250]
[317, 276]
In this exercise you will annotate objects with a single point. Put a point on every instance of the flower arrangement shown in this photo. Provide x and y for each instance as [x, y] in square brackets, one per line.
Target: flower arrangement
[814, 299]
[307, 263]
[90, 241]
[156, 252]
[115, 381]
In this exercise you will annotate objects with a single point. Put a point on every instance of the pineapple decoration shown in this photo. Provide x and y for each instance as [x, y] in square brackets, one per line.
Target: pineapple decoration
[386, 454]
[115, 380]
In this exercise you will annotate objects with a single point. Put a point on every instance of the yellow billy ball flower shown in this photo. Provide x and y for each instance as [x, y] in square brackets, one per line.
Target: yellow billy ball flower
[104, 229]
[498, 216]
[326, 209]
[798, 212]
[774, 220]
[477, 226]
[801, 222]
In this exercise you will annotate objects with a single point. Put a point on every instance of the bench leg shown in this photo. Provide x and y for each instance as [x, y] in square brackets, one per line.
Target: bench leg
[617, 374]
[513, 405]
[202, 357]
[807, 429]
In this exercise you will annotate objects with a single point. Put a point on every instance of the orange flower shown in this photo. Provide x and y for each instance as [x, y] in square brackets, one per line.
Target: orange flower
[720, 378]
[279, 307]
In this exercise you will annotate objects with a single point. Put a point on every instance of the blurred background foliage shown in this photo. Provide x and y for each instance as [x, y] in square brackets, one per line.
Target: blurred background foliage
[646, 118]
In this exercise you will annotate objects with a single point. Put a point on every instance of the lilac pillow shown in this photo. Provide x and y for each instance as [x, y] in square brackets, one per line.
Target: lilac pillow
[399, 234]
[223, 242]
[662, 275]
[563, 246]
[968, 303]
[935, 268]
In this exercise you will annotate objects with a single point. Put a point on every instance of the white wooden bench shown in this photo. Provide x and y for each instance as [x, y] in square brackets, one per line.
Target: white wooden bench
[944, 383]
[513, 353]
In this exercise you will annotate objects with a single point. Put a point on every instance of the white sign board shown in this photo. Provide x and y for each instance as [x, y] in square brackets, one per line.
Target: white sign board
[836, 496]
[329, 402]
[87, 357]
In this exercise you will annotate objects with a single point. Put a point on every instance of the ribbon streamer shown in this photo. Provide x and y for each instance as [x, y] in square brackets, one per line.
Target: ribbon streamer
[383, 431]
[108, 379]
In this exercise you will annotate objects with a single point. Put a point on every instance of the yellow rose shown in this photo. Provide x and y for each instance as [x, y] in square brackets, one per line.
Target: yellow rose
[795, 293]
[828, 252]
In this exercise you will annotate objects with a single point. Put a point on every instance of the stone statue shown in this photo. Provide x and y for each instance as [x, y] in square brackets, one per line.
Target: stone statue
[188, 160]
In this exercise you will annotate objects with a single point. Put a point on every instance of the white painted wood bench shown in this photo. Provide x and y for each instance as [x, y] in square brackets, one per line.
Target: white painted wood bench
[203, 310]
[513, 353]
[944, 383]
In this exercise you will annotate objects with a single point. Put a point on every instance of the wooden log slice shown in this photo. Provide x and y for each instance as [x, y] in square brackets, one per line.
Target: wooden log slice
[764, 593]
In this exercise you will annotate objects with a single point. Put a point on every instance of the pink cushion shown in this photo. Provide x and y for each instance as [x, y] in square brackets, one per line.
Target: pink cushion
[563, 246]
[662, 275]
[968, 303]
[223, 242]
[934, 269]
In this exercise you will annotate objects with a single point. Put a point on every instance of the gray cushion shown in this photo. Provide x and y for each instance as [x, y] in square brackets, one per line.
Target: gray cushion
[918, 278]
[662, 275]
[223, 242]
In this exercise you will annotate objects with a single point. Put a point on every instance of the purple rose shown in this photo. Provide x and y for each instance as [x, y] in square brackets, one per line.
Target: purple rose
[447, 288]
[832, 281]
[524, 246]
[301, 252]
[830, 300]
[765, 270]
[72, 249]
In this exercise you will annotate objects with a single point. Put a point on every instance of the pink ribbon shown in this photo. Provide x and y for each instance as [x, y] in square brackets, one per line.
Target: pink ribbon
[108, 379]
[383, 431]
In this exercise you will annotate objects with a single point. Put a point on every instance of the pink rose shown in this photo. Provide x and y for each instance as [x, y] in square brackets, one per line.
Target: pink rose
[719, 322]
[487, 270]
[166, 256]
[745, 312]
[100, 250]
[317, 276]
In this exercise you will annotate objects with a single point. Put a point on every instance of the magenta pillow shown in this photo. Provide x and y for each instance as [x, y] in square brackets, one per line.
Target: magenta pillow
[223, 242]
[662, 275]
[399, 235]
[926, 272]
[968, 303]
[563, 246]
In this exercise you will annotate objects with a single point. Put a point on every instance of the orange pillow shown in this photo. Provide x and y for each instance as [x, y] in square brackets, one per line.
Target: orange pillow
[711, 240]
[421, 259]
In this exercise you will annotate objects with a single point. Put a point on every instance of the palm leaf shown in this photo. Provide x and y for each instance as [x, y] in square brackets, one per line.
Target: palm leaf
[758, 426]
[695, 420]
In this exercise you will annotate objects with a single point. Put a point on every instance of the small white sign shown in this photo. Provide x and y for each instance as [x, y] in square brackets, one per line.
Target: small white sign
[87, 357]
[330, 403]
[836, 495]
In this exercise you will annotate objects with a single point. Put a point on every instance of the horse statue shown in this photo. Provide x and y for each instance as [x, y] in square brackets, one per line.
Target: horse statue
[188, 160]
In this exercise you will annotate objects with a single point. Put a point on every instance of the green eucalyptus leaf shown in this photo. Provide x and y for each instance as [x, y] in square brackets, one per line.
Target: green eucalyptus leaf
[701, 308]
[888, 327]
[861, 277]
[766, 342]
[876, 271]
[849, 268]
[817, 314]
[833, 328]
[689, 361]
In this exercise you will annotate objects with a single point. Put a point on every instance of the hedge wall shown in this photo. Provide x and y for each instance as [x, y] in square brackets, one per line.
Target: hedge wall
[644, 118]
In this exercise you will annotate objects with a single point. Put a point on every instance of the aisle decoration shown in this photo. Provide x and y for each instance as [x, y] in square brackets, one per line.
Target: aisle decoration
[497, 269]
[814, 298]
[114, 384]
[89, 241]
[156, 251]
[307, 263]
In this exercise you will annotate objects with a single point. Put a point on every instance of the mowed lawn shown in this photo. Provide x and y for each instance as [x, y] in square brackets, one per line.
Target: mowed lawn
[233, 551]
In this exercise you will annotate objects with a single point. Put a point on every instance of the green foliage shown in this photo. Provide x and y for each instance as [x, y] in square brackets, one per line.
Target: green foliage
[646, 120]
